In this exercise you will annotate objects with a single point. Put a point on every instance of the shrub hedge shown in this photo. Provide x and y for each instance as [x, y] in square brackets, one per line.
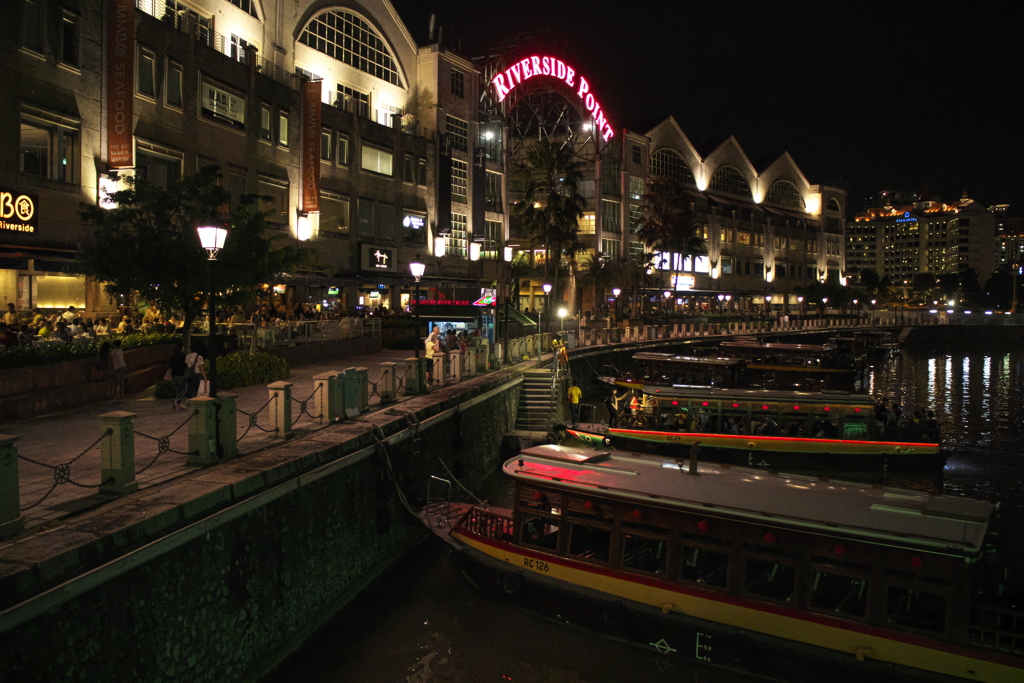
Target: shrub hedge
[238, 370]
[23, 356]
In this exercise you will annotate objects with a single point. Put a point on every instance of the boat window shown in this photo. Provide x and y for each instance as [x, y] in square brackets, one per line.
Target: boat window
[536, 499]
[916, 609]
[644, 554]
[770, 579]
[539, 531]
[649, 528]
[836, 562]
[590, 543]
[840, 594]
[704, 565]
[855, 428]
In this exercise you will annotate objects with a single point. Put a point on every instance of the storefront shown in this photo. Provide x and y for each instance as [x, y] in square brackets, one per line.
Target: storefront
[469, 310]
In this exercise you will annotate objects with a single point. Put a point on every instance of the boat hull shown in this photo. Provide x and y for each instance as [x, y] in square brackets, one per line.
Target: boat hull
[675, 622]
[776, 453]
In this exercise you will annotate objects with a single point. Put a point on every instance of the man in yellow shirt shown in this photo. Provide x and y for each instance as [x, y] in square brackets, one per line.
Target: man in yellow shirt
[574, 403]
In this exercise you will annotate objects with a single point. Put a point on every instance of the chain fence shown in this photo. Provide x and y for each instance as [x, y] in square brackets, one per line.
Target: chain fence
[303, 408]
[163, 443]
[62, 472]
[253, 419]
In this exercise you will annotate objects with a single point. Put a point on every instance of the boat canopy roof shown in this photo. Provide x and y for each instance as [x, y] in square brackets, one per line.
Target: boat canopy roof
[900, 517]
[775, 346]
[760, 395]
[699, 360]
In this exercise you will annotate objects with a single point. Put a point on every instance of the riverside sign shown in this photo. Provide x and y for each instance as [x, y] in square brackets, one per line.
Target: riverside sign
[530, 67]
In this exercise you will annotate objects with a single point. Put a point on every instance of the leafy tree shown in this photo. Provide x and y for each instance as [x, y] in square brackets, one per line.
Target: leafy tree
[668, 224]
[870, 280]
[148, 245]
[552, 205]
[598, 272]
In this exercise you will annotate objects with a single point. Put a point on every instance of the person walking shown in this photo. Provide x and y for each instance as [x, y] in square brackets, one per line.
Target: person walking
[176, 366]
[195, 372]
[119, 366]
[574, 393]
[103, 362]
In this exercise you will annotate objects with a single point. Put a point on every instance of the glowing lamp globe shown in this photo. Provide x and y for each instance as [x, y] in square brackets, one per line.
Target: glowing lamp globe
[417, 269]
[212, 239]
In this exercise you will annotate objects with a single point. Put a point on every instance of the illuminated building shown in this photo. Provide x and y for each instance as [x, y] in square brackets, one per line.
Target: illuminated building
[926, 236]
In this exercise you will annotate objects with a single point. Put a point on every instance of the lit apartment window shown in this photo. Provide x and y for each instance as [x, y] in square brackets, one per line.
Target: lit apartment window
[637, 156]
[460, 181]
[458, 133]
[326, 148]
[457, 243]
[376, 160]
[458, 83]
[48, 150]
[173, 89]
[333, 214]
[610, 249]
[265, 116]
[282, 128]
[343, 148]
[147, 73]
[636, 187]
[278, 190]
[158, 165]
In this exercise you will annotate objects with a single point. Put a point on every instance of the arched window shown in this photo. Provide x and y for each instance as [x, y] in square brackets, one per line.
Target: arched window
[669, 163]
[785, 193]
[246, 6]
[833, 205]
[349, 39]
[728, 179]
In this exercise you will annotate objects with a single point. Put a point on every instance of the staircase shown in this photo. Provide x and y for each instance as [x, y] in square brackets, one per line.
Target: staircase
[537, 410]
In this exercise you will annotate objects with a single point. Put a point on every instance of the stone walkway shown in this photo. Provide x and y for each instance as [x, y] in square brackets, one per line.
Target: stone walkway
[49, 441]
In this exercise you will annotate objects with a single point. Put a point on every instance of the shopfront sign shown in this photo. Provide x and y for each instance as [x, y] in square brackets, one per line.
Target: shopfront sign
[120, 81]
[18, 212]
[681, 283]
[223, 103]
[379, 259]
[311, 145]
[411, 220]
[551, 67]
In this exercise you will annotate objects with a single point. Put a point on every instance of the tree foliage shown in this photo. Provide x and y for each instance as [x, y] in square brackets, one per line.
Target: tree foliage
[148, 244]
[668, 224]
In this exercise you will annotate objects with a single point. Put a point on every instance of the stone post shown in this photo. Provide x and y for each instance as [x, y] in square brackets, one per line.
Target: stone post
[11, 521]
[415, 375]
[227, 424]
[497, 351]
[327, 392]
[350, 393]
[437, 369]
[363, 388]
[202, 429]
[455, 365]
[281, 409]
[387, 387]
[117, 454]
[469, 361]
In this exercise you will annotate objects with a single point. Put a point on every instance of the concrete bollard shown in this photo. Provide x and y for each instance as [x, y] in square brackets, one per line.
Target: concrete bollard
[455, 366]
[227, 425]
[327, 391]
[280, 409]
[202, 431]
[387, 387]
[349, 393]
[117, 454]
[437, 370]
[469, 362]
[415, 378]
[363, 389]
[11, 521]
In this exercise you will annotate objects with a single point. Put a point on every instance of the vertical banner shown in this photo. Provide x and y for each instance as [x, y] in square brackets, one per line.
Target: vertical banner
[120, 81]
[311, 145]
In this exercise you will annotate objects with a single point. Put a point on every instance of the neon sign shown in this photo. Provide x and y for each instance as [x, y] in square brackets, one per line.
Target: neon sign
[486, 300]
[529, 67]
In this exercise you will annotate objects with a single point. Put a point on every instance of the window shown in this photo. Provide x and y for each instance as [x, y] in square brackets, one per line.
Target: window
[236, 188]
[833, 205]
[173, 90]
[48, 150]
[637, 155]
[353, 100]
[236, 49]
[742, 237]
[246, 6]
[458, 133]
[785, 193]
[669, 164]
[460, 181]
[343, 148]
[610, 216]
[770, 579]
[636, 212]
[458, 83]
[644, 554]
[365, 217]
[69, 41]
[158, 165]
[637, 252]
[704, 565]
[610, 249]
[492, 238]
[541, 532]
[726, 265]
[146, 69]
[457, 243]
[636, 187]
[590, 543]
[277, 207]
[376, 160]
[916, 609]
[326, 145]
[346, 37]
[32, 25]
[586, 224]
[265, 132]
[408, 169]
[489, 137]
[282, 128]
[492, 192]
[386, 218]
[728, 179]
[422, 180]
[219, 104]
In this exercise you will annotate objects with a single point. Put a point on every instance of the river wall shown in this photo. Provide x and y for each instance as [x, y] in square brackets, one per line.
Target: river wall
[219, 575]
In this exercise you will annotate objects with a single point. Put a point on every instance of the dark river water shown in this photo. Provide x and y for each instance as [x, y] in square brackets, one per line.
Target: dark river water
[423, 622]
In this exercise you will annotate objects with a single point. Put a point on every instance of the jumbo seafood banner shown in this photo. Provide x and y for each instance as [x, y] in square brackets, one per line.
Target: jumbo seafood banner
[311, 146]
[120, 81]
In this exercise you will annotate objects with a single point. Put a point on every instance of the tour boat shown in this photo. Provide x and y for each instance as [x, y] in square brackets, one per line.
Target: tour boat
[826, 365]
[788, 576]
[825, 430]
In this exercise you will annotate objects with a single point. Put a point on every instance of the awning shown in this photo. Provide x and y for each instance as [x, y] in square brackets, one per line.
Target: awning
[519, 317]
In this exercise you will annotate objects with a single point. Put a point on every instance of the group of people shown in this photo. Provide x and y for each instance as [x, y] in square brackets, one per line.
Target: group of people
[895, 423]
[68, 325]
[438, 343]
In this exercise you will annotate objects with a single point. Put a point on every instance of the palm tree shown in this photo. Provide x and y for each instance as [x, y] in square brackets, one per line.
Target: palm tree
[669, 225]
[598, 271]
[552, 205]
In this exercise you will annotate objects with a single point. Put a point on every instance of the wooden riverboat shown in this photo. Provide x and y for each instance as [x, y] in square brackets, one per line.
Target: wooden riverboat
[669, 369]
[821, 431]
[787, 576]
[824, 366]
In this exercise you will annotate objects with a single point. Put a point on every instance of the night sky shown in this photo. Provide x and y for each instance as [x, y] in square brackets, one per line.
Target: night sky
[899, 95]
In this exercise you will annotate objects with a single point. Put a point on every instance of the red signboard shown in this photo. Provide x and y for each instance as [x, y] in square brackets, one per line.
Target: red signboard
[506, 81]
[311, 145]
[120, 81]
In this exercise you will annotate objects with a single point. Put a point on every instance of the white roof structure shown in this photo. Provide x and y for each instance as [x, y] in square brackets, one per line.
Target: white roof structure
[944, 524]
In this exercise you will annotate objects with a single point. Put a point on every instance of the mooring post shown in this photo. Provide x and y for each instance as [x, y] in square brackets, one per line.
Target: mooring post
[202, 431]
[387, 387]
[11, 521]
[326, 393]
[363, 389]
[415, 375]
[117, 454]
[281, 408]
[455, 365]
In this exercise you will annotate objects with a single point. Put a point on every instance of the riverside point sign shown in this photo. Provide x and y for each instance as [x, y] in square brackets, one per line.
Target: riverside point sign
[506, 81]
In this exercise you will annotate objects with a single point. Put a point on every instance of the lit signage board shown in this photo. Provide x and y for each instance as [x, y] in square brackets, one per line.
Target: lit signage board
[530, 67]
[332, 291]
[413, 221]
[683, 282]
[223, 103]
[379, 259]
[18, 212]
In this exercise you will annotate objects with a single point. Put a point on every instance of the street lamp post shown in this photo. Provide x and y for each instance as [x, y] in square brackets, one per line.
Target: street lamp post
[212, 238]
[824, 302]
[667, 294]
[417, 269]
[616, 291]
[547, 301]
[800, 300]
[561, 319]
